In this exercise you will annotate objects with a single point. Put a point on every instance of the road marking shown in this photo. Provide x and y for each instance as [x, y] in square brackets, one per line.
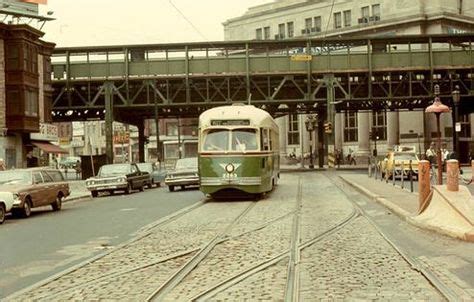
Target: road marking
[129, 209]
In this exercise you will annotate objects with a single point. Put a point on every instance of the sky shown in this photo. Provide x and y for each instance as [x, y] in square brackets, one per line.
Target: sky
[116, 22]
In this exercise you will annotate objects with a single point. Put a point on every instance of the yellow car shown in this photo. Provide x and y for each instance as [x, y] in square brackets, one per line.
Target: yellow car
[393, 162]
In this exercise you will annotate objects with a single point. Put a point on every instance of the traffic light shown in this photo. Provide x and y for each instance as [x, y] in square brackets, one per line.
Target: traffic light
[328, 127]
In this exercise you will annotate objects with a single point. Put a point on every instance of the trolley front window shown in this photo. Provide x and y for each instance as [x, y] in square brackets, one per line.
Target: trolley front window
[244, 140]
[216, 140]
[236, 140]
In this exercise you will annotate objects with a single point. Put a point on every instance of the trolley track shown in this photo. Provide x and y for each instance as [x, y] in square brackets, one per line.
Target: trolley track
[293, 255]
[438, 284]
[176, 278]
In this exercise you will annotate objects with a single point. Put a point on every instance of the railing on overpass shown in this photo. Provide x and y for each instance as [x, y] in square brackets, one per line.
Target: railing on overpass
[392, 73]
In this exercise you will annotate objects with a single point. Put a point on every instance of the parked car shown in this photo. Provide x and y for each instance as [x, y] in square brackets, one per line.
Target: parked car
[24, 189]
[184, 174]
[157, 174]
[399, 158]
[118, 177]
[69, 162]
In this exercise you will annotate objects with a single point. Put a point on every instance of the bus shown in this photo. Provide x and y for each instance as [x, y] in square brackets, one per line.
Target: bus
[238, 151]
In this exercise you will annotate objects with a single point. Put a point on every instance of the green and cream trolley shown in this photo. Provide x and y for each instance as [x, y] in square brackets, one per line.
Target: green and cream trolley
[238, 150]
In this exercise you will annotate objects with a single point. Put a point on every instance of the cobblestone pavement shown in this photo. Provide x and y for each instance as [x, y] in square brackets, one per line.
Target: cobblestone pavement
[352, 263]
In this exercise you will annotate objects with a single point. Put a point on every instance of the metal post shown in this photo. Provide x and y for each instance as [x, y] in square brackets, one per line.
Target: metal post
[157, 128]
[179, 138]
[329, 79]
[109, 119]
[393, 173]
[402, 176]
[438, 152]
[411, 177]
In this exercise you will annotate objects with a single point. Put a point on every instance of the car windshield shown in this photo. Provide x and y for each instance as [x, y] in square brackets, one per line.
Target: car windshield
[405, 156]
[145, 167]
[186, 163]
[244, 140]
[110, 170]
[15, 177]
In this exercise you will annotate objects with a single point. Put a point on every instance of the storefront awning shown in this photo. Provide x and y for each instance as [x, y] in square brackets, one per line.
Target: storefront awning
[49, 148]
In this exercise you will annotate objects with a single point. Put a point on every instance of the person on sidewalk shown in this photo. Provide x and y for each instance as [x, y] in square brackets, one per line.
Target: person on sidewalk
[2, 165]
[78, 169]
[431, 154]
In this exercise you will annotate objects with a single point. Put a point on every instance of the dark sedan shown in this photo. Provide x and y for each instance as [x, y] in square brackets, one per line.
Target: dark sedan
[118, 177]
[184, 174]
[157, 174]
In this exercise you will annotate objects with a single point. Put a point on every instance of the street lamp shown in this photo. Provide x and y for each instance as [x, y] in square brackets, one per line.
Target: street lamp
[310, 124]
[456, 99]
[437, 108]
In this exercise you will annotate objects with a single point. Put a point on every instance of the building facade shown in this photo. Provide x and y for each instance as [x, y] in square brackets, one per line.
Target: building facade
[287, 19]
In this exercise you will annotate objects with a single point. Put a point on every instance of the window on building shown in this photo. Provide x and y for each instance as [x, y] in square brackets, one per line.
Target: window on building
[347, 18]
[317, 24]
[465, 126]
[281, 31]
[293, 130]
[31, 103]
[308, 23]
[379, 124]
[337, 20]
[13, 102]
[350, 127]
[259, 34]
[365, 12]
[13, 57]
[172, 129]
[376, 10]
[290, 27]
[266, 32]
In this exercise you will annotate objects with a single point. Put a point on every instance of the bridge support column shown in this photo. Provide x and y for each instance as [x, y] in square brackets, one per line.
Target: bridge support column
[109, 119]
[363, 152]
[320, 140]
[282, 124]
[393, 129]
[141, 142]
[338, 131]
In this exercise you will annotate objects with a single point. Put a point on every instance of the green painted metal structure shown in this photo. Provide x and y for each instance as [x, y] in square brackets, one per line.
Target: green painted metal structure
[131, 83]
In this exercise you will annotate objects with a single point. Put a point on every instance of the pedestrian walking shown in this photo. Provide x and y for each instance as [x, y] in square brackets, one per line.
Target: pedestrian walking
[431, 154]
[2, 165]
[78, 169]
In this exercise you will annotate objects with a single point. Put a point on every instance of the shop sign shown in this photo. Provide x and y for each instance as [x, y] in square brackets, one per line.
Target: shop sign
[48, 132]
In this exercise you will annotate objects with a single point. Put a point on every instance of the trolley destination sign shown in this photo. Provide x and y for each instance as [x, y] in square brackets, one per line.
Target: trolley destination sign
[230, 123]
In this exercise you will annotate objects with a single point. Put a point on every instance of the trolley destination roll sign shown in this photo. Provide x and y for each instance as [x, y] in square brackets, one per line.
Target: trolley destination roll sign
[230, 123]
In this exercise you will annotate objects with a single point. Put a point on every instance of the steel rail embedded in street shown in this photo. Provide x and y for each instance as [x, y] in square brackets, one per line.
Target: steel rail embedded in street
[436, 282]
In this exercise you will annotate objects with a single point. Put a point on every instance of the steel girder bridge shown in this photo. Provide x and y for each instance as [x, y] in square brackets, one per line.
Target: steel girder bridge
[131, 83]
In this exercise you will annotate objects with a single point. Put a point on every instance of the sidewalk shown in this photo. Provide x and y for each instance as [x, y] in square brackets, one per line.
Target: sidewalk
[78, 190]
[298, 168]
[449, 213]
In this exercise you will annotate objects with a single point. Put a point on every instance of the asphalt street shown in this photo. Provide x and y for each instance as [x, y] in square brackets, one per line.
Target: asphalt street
[48, 242]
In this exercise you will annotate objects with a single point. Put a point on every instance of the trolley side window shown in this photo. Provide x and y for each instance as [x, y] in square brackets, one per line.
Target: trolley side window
[216, 140]
[244, 140]
[265, 140]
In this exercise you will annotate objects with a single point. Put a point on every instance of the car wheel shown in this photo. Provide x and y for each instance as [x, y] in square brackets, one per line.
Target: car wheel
[142, 188]
[57, 204]
[94, 194]
[150, 185]
[2, 213]
[171, 188]
[128, 190]
[26, 212]
[182, 187]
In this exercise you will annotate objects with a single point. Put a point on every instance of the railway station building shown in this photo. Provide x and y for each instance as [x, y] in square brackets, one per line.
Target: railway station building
[289, 19]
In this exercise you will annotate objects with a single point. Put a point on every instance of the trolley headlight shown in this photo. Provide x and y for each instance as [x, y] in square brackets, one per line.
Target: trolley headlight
[229, 168]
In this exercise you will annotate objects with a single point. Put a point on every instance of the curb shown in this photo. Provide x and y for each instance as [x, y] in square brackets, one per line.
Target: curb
[377, 198]
[408, 217]
[75, 198]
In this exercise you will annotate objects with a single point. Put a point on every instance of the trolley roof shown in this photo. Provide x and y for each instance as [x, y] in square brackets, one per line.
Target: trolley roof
[256, 116]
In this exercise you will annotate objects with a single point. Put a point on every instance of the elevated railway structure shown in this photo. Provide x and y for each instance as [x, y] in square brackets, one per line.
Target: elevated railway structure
[131, 83]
